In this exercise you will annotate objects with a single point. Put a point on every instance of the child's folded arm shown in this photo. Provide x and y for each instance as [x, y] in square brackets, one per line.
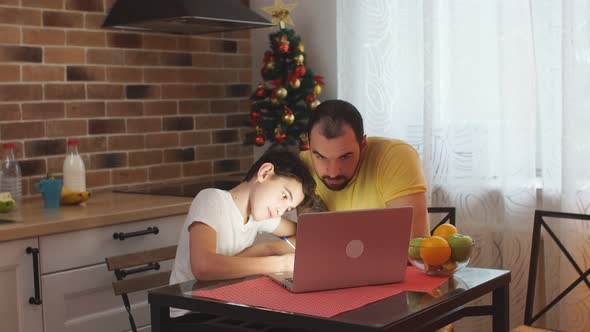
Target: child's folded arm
[286, 227]
[206, 264]
[278, 247]
[211, 266]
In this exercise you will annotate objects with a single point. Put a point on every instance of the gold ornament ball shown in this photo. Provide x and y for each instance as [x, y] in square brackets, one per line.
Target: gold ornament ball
[288, 118]
[296, 83]
[282, 92]
[270, 66]
[300, 48]
[314, 104]
[317, 89]
[259, 131]
[299, 59]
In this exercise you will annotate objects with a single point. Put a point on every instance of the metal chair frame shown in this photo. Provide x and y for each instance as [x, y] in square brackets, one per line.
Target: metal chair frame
[449, 216]
[529, 318]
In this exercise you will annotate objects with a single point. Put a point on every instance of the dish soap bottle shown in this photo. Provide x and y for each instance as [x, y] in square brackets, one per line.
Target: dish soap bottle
[11, 176]
[74, 171]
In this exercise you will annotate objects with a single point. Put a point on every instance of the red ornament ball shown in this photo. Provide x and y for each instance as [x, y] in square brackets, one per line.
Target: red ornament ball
[300, 71]
[280, 138]
[255, 117]
[284, 48]
[259, 140]
[279, 135]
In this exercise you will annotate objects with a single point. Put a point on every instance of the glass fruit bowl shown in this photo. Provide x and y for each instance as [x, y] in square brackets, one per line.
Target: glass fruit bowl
[442, 260]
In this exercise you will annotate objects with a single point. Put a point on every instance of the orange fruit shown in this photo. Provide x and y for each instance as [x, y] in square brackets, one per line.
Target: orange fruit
[436, 293]
[435, 250]
[444, 231]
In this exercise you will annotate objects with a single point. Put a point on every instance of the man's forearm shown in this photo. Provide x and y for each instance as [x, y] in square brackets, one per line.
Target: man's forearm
[420, 226]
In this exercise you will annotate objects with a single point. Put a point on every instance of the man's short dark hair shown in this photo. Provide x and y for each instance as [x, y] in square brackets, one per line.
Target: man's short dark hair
[289, 165]
[331, 115]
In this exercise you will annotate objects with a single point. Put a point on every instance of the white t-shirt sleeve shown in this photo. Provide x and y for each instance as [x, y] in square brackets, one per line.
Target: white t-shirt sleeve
[206, 209]
[269, 225]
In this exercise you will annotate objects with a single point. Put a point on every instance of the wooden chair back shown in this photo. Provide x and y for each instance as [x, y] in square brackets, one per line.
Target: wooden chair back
[129, 264]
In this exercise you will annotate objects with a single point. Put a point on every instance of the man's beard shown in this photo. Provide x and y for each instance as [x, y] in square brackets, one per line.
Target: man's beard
[335, 187]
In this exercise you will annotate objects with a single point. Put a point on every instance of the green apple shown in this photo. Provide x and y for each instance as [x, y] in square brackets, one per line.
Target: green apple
[7, 203]
[461, 246]
[414, 249]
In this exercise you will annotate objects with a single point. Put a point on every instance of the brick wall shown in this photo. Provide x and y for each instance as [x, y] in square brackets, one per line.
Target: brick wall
[146, 107]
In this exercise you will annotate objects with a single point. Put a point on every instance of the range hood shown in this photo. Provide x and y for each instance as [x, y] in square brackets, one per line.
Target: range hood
[183, 16]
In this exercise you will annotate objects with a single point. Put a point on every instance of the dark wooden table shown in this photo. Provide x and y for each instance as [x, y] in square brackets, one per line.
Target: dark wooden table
[407, 311]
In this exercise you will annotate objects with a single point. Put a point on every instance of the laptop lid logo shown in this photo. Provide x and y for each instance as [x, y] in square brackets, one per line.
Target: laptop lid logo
[355, 248]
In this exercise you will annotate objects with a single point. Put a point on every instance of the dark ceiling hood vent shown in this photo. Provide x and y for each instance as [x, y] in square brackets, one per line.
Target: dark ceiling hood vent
[183, 16]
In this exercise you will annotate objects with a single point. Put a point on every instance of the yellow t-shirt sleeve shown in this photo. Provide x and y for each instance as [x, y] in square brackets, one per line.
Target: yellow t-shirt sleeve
[400, 172]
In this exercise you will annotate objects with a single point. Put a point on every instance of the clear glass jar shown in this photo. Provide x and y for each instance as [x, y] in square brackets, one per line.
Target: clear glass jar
[11, 179]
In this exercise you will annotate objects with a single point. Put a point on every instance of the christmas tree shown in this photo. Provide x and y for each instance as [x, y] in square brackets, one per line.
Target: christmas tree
[282, 103]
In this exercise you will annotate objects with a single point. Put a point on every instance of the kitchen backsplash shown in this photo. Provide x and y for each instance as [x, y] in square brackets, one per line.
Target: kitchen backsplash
[146, 107]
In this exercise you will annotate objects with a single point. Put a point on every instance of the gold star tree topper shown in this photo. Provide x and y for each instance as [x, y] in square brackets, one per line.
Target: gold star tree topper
[280, 13]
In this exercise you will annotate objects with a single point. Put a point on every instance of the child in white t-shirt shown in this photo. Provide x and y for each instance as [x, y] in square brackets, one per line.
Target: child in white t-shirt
[221, 224]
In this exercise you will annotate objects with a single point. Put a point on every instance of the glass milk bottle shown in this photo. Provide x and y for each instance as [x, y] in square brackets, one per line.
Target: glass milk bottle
[74, 171]
[10, 180]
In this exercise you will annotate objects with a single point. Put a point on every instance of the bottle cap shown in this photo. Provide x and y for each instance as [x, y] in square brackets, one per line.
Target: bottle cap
[8, 145]
[73, 142]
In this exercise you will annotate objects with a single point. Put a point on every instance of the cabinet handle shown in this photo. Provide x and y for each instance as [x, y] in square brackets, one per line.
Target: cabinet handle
[122, 236]
[37, 299]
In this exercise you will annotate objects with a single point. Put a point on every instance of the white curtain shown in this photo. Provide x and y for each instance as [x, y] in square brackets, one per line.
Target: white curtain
[495, 95]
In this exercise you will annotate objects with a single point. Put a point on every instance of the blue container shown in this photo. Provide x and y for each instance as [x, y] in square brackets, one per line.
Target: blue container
[51, 190]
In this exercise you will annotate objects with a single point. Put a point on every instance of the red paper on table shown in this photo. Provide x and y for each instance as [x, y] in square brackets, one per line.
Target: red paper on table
[264, 292]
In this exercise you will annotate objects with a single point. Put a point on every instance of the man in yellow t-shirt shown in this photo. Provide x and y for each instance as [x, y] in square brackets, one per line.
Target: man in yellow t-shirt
[356, 172]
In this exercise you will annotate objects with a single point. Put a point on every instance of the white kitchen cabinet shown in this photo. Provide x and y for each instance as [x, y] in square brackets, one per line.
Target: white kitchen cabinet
[83, 300]
[17, 285]
[77, 290]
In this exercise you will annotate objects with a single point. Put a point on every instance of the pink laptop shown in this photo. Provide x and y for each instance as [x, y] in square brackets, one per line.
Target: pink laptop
[349, 249]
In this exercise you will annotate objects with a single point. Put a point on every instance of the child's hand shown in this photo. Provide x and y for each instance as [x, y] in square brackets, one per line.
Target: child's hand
[287, 262]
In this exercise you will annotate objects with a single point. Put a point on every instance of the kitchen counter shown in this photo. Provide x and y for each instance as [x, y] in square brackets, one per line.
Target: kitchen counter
[102, 209]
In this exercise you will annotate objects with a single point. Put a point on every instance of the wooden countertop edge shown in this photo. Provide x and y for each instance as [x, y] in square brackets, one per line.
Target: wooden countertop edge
[24, 231]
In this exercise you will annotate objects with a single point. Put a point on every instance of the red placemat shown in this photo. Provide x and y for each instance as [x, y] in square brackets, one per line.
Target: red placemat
[263, 292]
